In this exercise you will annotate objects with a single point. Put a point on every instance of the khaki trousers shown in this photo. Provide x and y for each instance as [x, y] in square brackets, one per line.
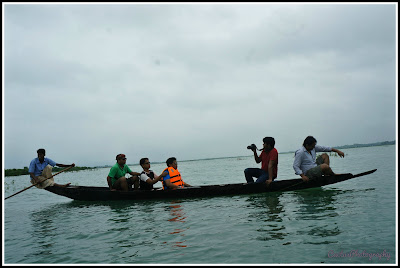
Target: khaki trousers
[46, 173]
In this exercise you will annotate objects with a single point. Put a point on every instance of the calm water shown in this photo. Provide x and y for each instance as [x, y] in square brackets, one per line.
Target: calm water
[349, 222]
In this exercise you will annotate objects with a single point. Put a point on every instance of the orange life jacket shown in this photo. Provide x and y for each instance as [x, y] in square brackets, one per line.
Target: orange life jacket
[175, 177]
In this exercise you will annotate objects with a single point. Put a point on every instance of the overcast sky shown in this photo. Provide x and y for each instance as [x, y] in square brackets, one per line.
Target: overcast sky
[194, 81]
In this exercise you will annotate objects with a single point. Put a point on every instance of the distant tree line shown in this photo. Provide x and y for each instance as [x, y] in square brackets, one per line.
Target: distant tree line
[25, 170]
[356, 145]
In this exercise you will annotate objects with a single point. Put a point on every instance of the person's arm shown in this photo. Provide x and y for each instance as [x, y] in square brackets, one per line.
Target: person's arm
[32, 170]
[270, 171]
[150, 181]
[156, 178]
[129, 171]
[256, 157]
[340, 153]
[297, 164]
[271, 165]
[170, 184]
[167, 180]
[319, 148]
[304, 177]
[109, 183]
[35, 179]
[186, 184]
[111, 174]
[134, 173]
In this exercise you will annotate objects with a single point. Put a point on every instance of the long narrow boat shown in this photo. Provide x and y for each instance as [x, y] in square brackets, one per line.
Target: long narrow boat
[88, 193]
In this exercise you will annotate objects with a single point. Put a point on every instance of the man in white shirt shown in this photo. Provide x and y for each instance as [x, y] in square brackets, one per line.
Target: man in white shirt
[307, 165]
[148, 177]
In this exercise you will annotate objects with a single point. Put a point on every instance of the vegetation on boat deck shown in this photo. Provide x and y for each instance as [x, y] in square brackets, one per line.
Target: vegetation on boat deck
[25, 170]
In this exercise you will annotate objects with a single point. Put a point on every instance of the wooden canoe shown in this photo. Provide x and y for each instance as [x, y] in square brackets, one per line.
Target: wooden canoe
[89, 193]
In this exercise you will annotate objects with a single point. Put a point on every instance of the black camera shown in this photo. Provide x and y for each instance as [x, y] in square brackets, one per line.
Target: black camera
[252, 147]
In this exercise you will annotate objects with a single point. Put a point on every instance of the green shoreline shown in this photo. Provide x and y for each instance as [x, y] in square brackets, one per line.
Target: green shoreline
[24, 171]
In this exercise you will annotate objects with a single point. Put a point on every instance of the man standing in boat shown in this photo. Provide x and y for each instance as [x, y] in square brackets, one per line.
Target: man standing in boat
[116, 177]
[40, 168]
[307, 165]
[269, 163]
[148, 177]
[173, 179]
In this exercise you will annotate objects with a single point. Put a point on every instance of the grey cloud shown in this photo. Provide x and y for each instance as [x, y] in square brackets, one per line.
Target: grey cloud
[194, 81]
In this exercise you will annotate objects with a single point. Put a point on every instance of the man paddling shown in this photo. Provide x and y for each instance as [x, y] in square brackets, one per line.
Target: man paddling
[307, 165]
[40, 168]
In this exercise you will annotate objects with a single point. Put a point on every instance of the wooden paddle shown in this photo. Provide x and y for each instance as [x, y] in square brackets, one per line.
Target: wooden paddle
[39, 182]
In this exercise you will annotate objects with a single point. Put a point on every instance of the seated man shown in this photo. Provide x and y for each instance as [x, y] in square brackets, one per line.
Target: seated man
[116, 177]
[269, 163]
[40, 168]
[148, 177]
[307, 165]
[173, 179]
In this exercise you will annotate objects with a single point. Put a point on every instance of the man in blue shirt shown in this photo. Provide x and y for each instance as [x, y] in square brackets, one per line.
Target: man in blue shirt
[41, 167]
[307, 165]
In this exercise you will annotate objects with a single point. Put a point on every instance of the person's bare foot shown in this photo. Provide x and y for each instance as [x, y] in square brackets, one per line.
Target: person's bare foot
[63, 185]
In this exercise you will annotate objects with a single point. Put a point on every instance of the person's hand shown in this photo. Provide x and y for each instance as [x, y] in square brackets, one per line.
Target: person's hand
[305, 178]
[341, 154]
[165, 173]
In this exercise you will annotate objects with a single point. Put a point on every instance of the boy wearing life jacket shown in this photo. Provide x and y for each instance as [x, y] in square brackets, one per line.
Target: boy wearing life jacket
[173, 179]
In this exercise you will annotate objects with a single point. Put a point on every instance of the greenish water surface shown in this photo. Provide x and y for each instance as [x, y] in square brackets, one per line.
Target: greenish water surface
[350, 222]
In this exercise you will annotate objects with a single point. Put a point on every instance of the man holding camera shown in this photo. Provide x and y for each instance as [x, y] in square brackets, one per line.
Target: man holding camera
[269, 163]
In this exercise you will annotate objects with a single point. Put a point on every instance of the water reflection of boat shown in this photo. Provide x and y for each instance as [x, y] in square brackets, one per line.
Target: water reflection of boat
[275, 212]
[176, 212]
[267, 211]
[178, 216]
[88, 193]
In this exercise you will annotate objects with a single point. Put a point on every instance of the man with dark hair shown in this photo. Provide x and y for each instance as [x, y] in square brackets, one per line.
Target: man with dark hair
[307, 165]
[148, 177]
[40, 168]
[116, 177]
[269, 163]
[173, 179]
